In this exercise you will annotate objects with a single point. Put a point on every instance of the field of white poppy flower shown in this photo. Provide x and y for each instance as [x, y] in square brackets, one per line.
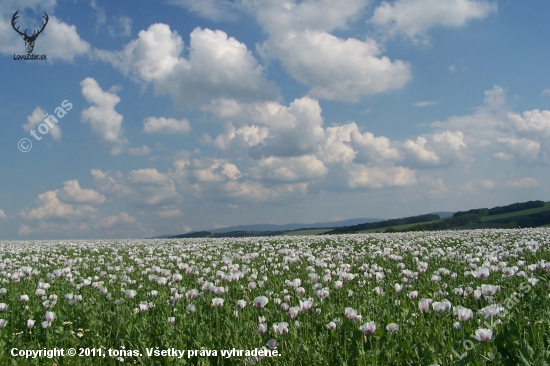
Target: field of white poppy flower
[422, 298]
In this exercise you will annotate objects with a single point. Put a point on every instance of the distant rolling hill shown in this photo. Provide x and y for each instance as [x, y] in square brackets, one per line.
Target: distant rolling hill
[443, 214]
[288, 227]
[270, 228]
[526, 214]
[162, 237]
[520, 214]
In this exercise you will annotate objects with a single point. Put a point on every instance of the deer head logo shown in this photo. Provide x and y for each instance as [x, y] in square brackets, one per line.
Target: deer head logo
[29, 40]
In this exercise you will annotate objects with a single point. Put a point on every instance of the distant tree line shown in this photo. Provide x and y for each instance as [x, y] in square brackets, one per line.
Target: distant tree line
[532, 220]
[501, 209]
[475, 211]
[459, 218]
[515, 207]
[196, 234]
[230, 234]
[386, 223]
[448, 223]
[468, 217]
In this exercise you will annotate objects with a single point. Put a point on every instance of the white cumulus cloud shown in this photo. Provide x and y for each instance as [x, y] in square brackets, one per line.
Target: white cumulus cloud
[166, 125]
[217, 66]
[50, 207]
[452, 140]
[168, 213]
[526, 182]
[36, 118]
[289, 169]
[415, 17]
[337, 68]
[142, 187]
[361, 176]
[300, 36]
[335, 148]
[425, 103]
[102, 117]
[533, 122]
[216, 10]
[372, 149]
[280, 17]
[521, 148]
[418, 154]
[72, 193]
[121, 218]
[269, 128]
[137, 151]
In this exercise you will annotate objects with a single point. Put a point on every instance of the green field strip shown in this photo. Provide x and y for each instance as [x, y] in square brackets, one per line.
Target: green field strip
[306, 232]
[480, 225]
[517, 213]
[397, 227]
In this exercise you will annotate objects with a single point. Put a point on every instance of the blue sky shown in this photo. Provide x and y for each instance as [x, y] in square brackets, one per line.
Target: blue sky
[193, 115]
